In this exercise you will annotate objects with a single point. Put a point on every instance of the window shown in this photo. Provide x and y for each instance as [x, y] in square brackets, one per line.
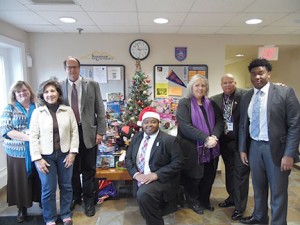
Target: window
[3, 99]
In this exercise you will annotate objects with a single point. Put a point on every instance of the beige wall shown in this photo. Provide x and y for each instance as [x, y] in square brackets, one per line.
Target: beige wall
[285, 70]
[240, 72]
[49, 50]
[14, 33]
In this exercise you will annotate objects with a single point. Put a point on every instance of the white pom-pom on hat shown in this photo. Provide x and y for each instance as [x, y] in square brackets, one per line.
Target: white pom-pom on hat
[146, 113]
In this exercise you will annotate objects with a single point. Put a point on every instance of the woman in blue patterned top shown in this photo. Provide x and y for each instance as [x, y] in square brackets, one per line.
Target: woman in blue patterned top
[23, 184]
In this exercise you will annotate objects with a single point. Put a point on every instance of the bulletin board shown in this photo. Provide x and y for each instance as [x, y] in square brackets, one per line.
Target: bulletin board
[111, 78]
[171, 80]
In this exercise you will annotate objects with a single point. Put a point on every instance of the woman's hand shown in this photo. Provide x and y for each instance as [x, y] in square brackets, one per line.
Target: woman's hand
[211, 142]
[69, 160]
[42, 166]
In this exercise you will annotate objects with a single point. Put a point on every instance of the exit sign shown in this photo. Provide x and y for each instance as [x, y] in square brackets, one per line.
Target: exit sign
[268, 52]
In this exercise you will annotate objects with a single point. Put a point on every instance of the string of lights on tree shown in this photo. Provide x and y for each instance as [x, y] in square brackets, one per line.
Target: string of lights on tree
[138, 97]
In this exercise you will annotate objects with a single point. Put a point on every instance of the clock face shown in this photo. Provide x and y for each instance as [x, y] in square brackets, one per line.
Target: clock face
[139, 49]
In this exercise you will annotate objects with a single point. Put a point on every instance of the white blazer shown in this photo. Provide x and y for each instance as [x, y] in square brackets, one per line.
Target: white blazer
[41, 131]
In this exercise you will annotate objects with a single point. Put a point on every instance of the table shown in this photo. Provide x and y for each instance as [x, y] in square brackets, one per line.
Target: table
[112, 174]
[116, 175]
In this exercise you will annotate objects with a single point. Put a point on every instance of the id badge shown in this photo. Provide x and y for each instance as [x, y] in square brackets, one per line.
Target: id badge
[229, 126]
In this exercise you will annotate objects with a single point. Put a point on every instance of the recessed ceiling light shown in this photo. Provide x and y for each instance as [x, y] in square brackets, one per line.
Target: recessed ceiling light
[67, 19]
[161, 20]
[253, 21]
[239, 55]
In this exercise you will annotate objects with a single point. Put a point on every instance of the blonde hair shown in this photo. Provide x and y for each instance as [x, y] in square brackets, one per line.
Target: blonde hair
[191, 83]
[17, 86]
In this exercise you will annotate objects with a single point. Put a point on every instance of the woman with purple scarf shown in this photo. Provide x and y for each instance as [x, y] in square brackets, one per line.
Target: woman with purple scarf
[200, 123]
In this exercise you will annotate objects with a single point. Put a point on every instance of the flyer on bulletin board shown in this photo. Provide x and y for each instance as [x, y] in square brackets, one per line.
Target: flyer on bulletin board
[175, 91]
[161, 90]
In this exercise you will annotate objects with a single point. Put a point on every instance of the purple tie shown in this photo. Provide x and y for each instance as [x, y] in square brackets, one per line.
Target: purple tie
[141, 161]
[74, 102]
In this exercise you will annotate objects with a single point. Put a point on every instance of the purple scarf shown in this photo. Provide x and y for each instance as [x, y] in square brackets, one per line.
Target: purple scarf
[198, 121]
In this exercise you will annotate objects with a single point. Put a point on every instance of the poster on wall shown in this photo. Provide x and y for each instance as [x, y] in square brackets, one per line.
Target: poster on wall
[111, 78]
[171, 80]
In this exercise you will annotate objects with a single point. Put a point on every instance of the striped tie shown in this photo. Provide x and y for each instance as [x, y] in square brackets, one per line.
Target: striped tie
[141, 161]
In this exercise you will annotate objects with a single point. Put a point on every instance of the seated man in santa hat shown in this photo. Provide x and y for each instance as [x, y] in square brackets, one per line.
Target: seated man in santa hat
[154, 161]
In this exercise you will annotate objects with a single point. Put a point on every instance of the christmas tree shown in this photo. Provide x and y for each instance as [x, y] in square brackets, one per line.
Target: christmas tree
[138, 97]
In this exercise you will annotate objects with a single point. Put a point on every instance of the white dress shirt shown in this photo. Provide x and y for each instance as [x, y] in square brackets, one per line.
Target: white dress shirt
[263, 121]
[148, 151]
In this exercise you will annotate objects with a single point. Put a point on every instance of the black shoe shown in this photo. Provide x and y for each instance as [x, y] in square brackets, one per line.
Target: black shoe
[226, 203]
[74, 203]
[89, 209]
[237, 215]
[197, 209]
[209, 207]
[251, 220]
[22, 214]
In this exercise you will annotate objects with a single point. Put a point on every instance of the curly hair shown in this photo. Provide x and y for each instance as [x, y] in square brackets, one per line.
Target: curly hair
[260, 62]
[42, 87]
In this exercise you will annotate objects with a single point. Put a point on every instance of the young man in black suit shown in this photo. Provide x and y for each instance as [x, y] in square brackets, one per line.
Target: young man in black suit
[154, 160]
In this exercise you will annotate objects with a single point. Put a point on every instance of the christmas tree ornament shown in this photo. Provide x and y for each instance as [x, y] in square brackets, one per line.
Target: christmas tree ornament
[138, 97]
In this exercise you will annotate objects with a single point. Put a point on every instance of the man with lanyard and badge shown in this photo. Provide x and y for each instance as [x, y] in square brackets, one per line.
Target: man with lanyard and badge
[237, 174]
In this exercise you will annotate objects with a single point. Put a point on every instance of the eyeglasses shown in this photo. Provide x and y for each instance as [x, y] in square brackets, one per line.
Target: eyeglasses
[71, 67]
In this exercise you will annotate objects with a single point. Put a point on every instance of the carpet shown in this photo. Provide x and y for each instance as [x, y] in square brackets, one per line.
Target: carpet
[30, 220]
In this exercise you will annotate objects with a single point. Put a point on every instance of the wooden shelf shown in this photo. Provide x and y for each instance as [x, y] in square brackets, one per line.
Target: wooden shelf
[112, 174]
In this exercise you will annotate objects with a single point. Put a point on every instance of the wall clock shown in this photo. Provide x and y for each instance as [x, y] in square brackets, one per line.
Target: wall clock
[139, 49]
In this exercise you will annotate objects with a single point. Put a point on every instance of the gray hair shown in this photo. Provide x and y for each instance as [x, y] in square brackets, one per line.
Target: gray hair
[191, 83]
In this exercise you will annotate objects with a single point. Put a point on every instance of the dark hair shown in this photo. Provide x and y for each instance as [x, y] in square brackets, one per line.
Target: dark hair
[17, 86]
[71, 57]
[42, 87]
[260, 62]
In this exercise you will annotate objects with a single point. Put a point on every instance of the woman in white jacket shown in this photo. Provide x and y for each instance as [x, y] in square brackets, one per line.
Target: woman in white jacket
[54, 144]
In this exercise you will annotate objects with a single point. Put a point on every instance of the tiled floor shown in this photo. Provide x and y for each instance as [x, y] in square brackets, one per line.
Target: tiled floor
[125, 210]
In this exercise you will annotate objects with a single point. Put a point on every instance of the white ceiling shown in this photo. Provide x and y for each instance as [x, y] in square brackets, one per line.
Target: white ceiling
[136, 16]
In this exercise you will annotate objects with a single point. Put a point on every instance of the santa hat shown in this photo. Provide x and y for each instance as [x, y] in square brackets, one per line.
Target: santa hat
[146, 113]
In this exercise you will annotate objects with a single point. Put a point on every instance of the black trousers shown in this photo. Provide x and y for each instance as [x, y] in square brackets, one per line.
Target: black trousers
[85, 164]
[206, 183]
[241, 183]
[199, 190]
[152, 204]
[228, 149]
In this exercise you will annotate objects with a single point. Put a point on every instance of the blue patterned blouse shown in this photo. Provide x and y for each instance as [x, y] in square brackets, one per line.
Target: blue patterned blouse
[13, 119]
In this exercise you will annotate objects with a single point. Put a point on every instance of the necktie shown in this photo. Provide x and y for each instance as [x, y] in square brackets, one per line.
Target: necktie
[227, 111]
[141, 160]
[74, 102]
[255, 115]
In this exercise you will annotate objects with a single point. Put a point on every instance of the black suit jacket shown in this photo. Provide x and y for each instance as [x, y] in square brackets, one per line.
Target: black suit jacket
[188, 136]
[165, 160]
[283, 115]
[218, 99]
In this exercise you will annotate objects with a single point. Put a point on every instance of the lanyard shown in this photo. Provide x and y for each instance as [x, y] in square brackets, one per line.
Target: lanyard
[231, 106]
